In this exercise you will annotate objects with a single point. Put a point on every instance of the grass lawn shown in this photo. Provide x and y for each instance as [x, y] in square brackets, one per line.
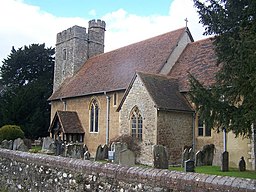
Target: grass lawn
[35, 149]
[216, 170]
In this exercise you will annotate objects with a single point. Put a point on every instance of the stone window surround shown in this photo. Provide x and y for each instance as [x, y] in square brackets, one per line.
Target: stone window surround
[201, 125]
[94, 125]
[136, 123]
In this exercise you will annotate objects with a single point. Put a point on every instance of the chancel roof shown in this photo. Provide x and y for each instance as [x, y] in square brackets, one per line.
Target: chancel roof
[68, 122]
[114, 70]
[200, 60]
[164, 92]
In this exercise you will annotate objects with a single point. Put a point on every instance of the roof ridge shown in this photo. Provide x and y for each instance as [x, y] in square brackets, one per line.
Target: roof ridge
[141, 41]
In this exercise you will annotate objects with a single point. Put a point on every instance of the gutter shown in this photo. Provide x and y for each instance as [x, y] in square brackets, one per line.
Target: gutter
[107, 117]
[193, 132]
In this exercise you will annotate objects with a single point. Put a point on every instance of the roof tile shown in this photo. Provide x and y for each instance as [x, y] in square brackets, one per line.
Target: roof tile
[165, 92]
[69, 122]
[114, 70]
[198, 59]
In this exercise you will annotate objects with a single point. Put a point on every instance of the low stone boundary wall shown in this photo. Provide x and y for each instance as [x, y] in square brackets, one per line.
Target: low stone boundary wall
[21, 171]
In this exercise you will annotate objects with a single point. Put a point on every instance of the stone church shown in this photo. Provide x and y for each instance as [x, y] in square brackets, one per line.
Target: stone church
[140, 89]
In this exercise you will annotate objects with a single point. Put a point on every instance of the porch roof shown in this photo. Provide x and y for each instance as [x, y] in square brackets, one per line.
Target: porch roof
[69, 122]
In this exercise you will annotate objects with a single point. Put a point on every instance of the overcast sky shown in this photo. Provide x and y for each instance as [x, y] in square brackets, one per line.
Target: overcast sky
[24, 22]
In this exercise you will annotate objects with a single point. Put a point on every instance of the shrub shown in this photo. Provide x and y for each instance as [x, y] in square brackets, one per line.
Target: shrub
[132, 143]
[10, 132]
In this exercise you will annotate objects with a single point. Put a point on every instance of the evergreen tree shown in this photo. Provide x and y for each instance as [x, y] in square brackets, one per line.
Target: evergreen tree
[231, 102]
[27, 76]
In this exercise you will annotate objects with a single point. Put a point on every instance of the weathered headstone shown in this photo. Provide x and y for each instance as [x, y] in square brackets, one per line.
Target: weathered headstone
[28, 143]
[189, 166]
[224, 161]
[74, 150]
[199, 158]
[160, 157]
[127, 157]
[105, 151]
[242, 164]
[101, 153]
[117, 147]
[191, 154]
[205, 156]
[47, 141]
[87, 155]
[18, 144]
[185, 156]
[208, 154]
[7, 144]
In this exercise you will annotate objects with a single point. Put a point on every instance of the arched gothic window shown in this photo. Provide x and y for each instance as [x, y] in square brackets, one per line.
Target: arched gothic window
[136, 124]
[94, 116]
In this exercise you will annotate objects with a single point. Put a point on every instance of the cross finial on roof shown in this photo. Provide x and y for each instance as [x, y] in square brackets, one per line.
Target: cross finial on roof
[186, 19]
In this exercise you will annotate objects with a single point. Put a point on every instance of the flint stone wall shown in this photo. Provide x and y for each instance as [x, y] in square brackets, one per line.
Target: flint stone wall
[22, 171]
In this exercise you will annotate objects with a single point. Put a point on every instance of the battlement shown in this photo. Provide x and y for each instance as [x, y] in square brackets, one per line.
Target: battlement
[72, 32]
[97, 24]
[74, 46]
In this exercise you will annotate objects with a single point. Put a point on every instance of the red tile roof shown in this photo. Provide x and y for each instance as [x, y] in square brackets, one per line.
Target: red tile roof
[114, 70]
[165, 92]
[200, 60]
[69, 122]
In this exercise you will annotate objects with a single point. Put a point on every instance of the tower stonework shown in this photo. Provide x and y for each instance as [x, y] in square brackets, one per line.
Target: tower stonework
[96, 32]
[74, 46]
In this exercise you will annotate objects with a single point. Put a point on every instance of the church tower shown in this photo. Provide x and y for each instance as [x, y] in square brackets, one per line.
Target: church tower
[74, 46]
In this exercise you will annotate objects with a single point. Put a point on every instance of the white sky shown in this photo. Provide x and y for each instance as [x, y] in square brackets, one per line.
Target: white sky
[22, 24]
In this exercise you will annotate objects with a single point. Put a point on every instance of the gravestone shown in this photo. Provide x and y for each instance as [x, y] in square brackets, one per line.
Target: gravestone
[7, 144]
[189, 166]
[185, 156]
[127, 157]
[205, 156]
[74, 150]
[117, 147]
[47, 141]
[18, 144]
[224, 161]
[105, 151]
[242, 164]
[86, 152]
[48, 146]
[160, 157]
[208, 154]
[199, 158]
[191, 154]
[87, 155]
[101, 153]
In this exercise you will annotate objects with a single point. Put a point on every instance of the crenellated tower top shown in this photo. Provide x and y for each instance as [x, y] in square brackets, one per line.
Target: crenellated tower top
[74, 46]
[72, 32]
[97, 24]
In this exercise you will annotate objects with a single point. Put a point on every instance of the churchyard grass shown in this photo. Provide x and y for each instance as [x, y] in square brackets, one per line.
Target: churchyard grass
[35, 149]
[216, 170]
